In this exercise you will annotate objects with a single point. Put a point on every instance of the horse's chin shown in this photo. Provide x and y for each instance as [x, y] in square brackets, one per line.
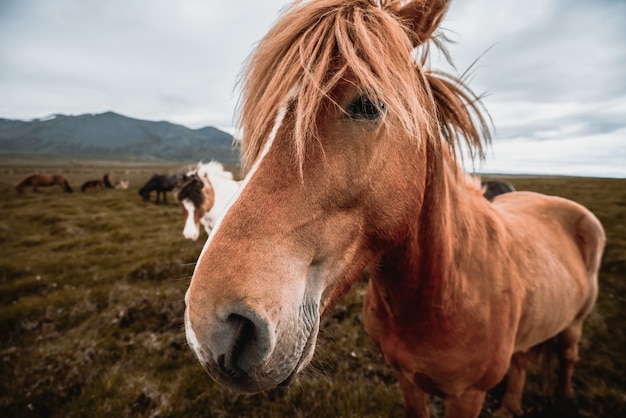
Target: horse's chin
[305, 358]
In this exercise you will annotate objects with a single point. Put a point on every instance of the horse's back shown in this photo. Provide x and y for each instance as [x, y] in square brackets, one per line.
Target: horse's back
[573, 217]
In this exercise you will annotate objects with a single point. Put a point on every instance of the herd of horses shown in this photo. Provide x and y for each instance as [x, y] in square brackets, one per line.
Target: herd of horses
[203, 192]
[349, 154]
[37, 180]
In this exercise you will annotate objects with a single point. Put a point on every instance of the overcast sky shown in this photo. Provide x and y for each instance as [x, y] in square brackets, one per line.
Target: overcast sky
[553, 71]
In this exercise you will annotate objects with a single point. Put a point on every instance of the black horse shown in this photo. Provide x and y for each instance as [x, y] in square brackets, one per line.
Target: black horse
[493, 188]
[161, 183]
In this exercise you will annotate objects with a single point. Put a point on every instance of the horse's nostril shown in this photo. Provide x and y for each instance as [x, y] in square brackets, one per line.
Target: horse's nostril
[247, 343]
[243, 340]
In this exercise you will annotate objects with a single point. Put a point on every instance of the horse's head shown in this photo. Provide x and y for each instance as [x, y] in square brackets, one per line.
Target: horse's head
[196, 197]
[337, 116]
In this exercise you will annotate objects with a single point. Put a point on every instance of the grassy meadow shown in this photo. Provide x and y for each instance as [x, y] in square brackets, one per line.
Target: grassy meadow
[92, 287]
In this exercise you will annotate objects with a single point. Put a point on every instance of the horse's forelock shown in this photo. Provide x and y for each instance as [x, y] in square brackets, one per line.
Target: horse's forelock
[192, 190]
[314, 46]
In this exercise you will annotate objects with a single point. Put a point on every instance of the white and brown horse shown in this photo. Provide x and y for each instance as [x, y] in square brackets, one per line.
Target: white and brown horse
[349, 151]
[204, 194]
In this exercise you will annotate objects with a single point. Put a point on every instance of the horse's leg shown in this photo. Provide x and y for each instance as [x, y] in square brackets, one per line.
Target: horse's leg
[512, 399]
[467, 405]
[416, 402]
[567, 354]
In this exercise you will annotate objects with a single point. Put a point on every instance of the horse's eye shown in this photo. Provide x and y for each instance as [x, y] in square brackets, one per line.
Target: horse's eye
[364, 108]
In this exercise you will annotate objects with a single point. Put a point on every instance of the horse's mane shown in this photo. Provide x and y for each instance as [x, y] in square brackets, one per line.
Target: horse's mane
[317, 44]
[214, 169]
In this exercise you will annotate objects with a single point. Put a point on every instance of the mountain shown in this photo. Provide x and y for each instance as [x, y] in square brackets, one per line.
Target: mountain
[113, 136]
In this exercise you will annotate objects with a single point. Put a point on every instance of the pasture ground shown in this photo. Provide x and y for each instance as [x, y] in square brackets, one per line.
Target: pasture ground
[92, 287]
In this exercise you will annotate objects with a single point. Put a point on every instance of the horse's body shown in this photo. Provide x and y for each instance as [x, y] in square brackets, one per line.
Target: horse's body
[204, 195]
[161, 184]
[92, 184]
[43, 180]
[349, 150]
[493, 188]
[104, 182]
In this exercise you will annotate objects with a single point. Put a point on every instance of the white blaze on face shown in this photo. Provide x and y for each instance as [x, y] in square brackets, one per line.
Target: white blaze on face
[191, 230]
[191, 336]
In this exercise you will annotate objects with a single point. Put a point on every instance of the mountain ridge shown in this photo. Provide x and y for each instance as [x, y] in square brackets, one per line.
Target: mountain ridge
[112, 135]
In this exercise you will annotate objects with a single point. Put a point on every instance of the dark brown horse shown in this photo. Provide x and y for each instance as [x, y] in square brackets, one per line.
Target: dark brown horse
[43, 180]
[160, 183]
[493, 188]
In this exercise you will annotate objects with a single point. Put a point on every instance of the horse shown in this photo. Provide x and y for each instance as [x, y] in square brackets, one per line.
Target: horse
[204, 194]
[44, 180]
[104, 182]
[350, 152]
[161, 183]
[92, 184]
[493, 188]
[122, 184]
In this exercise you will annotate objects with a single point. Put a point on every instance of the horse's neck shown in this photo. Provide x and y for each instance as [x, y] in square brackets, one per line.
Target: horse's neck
[429, 269]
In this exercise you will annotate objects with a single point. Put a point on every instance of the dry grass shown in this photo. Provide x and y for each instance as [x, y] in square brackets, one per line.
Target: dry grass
[92, 288]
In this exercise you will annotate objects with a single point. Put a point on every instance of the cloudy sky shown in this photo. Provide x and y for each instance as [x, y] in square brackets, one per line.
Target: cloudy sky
[553, 71]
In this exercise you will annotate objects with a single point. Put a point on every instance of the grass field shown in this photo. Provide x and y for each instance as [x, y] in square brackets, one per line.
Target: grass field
[92, 287]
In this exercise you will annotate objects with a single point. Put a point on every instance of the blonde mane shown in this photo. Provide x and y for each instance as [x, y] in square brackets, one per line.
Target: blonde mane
[315, 45]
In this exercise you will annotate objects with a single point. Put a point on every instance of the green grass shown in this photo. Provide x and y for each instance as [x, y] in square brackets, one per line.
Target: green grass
[92, 287]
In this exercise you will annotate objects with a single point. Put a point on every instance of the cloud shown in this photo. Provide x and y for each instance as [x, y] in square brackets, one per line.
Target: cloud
[551, 70]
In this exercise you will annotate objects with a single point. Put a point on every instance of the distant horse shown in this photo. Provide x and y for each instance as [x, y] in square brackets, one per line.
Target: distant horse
[43, 180]
[122, 184]
[494, 188]
[349, 149]
[92, 184]
[160, 183]
[204, 195]
[102, 183]
[106, 180]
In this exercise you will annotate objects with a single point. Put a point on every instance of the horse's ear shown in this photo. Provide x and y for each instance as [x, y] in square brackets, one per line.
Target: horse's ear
[422, 18]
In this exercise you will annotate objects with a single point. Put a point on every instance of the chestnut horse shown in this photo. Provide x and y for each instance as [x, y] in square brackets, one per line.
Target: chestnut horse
[349, 145]
[104, 182]
[203, 194]
[43, 180]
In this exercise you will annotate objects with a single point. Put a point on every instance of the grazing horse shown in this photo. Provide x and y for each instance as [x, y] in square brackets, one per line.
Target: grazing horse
[493, 188]
[104, 182]
[160, 183]
[349, 153]
[43, 180]
[203, 195]
[92, 184]
[122, 184]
